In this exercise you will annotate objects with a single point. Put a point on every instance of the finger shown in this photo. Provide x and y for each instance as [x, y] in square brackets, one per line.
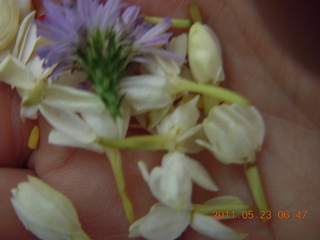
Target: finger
[10, 227]
[14, 135]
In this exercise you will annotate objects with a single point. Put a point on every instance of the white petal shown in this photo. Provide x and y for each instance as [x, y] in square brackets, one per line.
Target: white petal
[60, 139]
[161, 223]
[143, 170]
[30, 112]
[213, 228]
[16, 74]
[199, 174]
[25, 7]
[235, 133]
[169, 67]
[68, 123]
[204, 54]
[105, 126]
[9, 22]
[72, 99]
[45, 212]
[151, 119]
[187, 141]
[173, 181]
[26, 39]
[70, 78]
[35, 64]
[178, 45]
[182, 118]
[146, 92]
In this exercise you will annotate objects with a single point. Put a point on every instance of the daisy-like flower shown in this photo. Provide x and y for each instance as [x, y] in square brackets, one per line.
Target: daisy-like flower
[101, 39]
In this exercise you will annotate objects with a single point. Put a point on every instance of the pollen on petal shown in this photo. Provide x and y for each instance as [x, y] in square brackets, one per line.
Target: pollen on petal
[34, 138]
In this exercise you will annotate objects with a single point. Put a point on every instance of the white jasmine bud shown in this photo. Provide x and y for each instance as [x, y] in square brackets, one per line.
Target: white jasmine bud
[205, 55]
[9, 22]
[45, 212]
[146, 92]
[235, 133]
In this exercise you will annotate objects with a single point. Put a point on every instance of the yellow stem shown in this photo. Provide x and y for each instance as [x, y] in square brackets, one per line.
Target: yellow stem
[208, 104]
[207, 209]
[194, 12]
[256, 188]
[116, 165]
[179, 84]
[176, 22]
[146, 143]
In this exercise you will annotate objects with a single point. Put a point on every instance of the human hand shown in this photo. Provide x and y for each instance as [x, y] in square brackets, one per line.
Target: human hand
[257, 67]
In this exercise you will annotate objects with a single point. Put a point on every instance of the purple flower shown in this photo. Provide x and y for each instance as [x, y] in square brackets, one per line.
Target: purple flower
[68, 25]
[101, 39]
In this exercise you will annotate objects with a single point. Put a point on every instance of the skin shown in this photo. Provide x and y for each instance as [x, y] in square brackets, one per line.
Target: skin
[257, 65]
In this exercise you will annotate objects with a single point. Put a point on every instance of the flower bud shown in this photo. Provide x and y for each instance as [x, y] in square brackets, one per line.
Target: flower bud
[204, 54]
[235, 133]
[9, 22]
[146, 92]
[45, 212]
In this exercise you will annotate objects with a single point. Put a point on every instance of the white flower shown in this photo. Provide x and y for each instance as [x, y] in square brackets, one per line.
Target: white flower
[182, 124]
[163, 222]
[11, 14]
[9, 22]
[151, 119]
[79, 117]
[204, 54]
[45, 212]
[171, 183]
[86, 130]
[167, 67]
[150, 91]
[36, 92]
[235, 133]
[146, 92]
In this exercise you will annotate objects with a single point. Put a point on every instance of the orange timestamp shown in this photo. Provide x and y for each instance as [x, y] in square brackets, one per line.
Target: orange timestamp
[262, 215]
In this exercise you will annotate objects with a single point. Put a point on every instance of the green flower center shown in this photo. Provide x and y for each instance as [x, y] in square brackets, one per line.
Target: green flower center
[105, 60]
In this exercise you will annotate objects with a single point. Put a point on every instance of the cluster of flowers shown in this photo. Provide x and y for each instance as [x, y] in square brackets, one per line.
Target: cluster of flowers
[74, 67]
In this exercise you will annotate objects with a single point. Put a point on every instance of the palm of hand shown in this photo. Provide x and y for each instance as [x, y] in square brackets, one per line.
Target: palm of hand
[256, 67]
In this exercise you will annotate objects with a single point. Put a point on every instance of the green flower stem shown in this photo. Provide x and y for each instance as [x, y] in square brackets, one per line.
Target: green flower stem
[180, 85]
[116, 165]
[144, 143]
[208, 104]
[36, 95]
[207, 209]
[176, 22]
[194, 12]
[255, 185]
